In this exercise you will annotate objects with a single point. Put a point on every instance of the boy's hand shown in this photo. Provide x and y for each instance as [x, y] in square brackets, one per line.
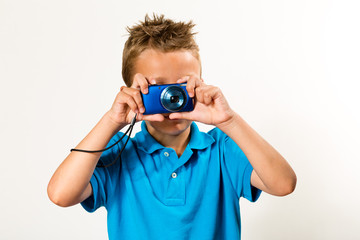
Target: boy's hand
[128, 102]
[210, 107]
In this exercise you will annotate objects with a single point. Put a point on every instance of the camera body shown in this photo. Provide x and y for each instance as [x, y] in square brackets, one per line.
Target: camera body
[167, 98]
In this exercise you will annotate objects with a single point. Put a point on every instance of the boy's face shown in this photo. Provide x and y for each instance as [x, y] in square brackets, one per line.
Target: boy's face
[167, 68]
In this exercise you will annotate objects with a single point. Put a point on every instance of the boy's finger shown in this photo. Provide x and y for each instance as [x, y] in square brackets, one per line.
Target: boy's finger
[181, 115]
[135, 83]
[153, 117]
[192, 84]
[207, 98]
[130, 102]
[183, 79]
[152, 81]
[200, 94]
[208, 93]
[142, 82]
[135, 94]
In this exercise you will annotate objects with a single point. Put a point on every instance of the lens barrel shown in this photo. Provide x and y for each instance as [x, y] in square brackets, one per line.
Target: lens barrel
[173, 98]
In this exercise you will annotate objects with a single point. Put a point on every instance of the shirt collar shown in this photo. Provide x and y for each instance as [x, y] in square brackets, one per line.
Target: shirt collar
[198, 140]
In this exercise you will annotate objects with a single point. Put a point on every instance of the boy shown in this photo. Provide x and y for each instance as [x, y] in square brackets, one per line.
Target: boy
[173, 181]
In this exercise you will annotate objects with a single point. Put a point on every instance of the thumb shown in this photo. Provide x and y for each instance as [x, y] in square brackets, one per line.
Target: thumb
[181, 115]
[152, 117]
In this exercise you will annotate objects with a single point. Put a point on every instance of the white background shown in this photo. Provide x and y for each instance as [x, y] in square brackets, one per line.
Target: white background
[289, 68]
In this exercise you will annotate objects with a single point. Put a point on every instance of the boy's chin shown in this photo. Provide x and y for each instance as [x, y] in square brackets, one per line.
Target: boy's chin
[170, 126]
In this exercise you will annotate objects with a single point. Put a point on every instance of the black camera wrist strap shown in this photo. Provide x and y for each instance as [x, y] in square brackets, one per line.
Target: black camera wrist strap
[102, 150]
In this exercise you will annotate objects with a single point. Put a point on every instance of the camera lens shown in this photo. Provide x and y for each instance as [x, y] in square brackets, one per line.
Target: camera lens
[173, 98]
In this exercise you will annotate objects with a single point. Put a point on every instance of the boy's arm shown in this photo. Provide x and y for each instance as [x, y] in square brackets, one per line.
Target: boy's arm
[70, 183]
[272, 173]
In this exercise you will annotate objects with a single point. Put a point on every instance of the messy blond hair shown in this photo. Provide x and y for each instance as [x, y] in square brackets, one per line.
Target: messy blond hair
[157, 33]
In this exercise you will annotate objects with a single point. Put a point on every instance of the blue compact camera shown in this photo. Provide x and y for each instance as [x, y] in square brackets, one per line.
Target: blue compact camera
[167, 98]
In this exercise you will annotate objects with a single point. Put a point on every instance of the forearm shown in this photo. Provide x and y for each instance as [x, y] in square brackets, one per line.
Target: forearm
[273, 170]
[73, 175]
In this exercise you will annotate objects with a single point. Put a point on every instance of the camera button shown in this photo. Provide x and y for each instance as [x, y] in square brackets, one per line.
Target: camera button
[166, 154]
[174, 175]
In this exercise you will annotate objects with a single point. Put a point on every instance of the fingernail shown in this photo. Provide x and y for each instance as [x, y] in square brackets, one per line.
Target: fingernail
[142, 110]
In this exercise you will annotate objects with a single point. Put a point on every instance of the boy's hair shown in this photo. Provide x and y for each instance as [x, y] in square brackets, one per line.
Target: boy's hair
[157, 33]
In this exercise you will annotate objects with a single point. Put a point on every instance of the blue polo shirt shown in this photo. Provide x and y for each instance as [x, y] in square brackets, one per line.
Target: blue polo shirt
[153, 194]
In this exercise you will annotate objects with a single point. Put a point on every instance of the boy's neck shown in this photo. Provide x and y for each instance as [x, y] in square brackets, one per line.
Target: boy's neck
[176, 142]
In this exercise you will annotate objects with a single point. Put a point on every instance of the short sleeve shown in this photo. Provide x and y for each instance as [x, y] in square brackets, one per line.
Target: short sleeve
[240, 170]
[98, 198]
[102, 177]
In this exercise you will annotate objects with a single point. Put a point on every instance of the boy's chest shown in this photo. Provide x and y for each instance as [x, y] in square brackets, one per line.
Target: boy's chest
[162, 197]
[166, 179]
